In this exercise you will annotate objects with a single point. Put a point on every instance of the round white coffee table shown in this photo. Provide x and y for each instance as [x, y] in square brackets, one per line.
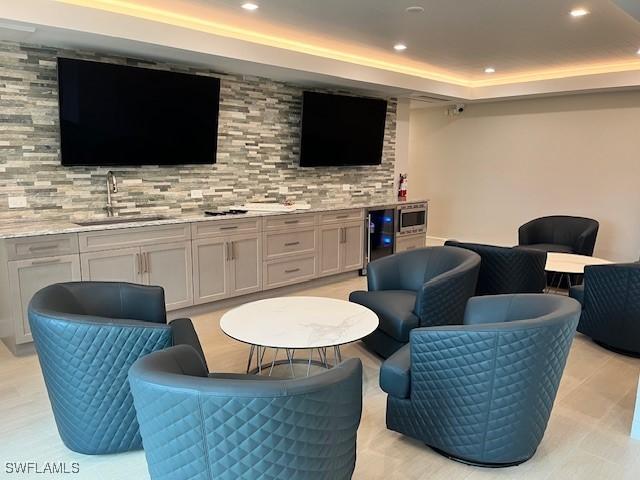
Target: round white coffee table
[567, 264]
[289, 324]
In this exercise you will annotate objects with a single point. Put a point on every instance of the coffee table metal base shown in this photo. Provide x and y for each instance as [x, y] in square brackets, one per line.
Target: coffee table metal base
[257, 354]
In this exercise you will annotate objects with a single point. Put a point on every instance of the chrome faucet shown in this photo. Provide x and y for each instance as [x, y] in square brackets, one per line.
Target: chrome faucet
[112, 187]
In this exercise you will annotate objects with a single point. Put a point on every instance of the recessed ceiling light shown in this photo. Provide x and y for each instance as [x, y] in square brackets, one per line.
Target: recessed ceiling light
[415, 9]
[579, 12]
[399, 47]
[489, 70]
[638, 52]
[250, 6]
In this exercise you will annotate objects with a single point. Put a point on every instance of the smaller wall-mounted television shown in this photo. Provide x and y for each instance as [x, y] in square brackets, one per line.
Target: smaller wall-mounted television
[340, 130]
[122, 115]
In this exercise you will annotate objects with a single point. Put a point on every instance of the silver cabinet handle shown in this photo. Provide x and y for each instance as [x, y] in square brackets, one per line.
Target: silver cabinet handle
[288, 222]
[45, 262]
[233, 227]
[139, 263]
[226, 251]
[232, 248]
[291, 244]
[293, 270]
[147, 263]
[342, 216]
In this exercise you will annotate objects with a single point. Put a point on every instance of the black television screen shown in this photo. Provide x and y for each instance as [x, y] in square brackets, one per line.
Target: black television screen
[121, 115]
[341, 130]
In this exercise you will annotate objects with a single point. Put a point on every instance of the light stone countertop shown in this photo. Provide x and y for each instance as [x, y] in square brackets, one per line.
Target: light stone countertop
[17, 228]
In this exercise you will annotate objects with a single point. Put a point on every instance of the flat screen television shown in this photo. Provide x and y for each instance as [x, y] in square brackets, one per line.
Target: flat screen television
[122, 115]
[339, 130]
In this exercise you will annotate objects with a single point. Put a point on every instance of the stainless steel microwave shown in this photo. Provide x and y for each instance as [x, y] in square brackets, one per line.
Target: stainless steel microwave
[412, 218]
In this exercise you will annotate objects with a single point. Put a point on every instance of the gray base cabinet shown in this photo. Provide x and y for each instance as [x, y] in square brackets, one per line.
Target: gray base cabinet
[26, 277]
[210, 271]
[410, 242]
[245, 264]
[121, 265]
[170, 267]
[341, 248]
[226, 267]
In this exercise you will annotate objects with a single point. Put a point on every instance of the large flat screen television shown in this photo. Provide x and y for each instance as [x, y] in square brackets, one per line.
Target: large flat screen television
[341, 130]
[122, 115]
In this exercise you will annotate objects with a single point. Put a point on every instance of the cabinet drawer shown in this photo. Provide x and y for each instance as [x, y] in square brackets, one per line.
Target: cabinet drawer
[294, 242]
[129, 237]
[42, 246]
[341, 216]
[280, 222]
[410, 243]
[284, 272]
[216, 228]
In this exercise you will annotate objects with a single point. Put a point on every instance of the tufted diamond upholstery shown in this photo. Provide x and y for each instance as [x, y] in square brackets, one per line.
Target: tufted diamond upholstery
[506, 270]
[85, 354]
[560, 233]
[610, 300]
[483, 392]
[439, 279]
[194, 426]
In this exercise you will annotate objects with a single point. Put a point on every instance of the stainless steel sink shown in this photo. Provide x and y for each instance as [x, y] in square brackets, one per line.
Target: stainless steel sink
[116, 220]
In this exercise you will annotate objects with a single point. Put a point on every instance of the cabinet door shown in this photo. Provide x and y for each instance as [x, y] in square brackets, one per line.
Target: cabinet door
[169, 266]
[210, 272]
[352, 247]
[122, 265]
[245, 264]
[330, 246]
[29, 276]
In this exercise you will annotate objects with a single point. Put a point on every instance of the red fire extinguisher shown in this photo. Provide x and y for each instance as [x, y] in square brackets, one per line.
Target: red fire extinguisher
[402, 187]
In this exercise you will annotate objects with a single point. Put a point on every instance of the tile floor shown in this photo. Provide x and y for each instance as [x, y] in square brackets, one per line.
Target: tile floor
[587, 436]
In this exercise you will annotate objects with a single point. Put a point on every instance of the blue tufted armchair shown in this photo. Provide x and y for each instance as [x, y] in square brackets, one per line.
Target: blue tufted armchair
[506, 270]
[610, 298]
[244, 427]
[87, 335]
[482, 392]
[419, 288]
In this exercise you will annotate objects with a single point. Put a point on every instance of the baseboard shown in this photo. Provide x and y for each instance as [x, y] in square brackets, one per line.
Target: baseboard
[435, 241]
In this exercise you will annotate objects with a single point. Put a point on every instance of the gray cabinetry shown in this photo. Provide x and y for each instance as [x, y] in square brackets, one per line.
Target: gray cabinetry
[159, 255]
[226, 266]
[410, 242]
[341, 244]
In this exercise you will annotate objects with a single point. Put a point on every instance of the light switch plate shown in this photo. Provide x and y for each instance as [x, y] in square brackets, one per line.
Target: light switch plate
[17, 202]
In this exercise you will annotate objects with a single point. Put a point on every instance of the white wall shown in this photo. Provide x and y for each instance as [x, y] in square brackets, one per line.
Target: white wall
[502, 164]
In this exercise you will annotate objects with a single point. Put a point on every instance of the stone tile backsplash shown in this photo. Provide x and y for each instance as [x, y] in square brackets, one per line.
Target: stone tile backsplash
[257, 159]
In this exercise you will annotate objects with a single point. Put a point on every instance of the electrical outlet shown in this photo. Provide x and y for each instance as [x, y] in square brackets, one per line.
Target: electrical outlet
[17, 202]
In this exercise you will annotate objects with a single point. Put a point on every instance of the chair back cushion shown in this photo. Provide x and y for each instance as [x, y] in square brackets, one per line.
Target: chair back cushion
[579, 233]
[85, 359]
[506, 270]
[611, 305]
[230, 428]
